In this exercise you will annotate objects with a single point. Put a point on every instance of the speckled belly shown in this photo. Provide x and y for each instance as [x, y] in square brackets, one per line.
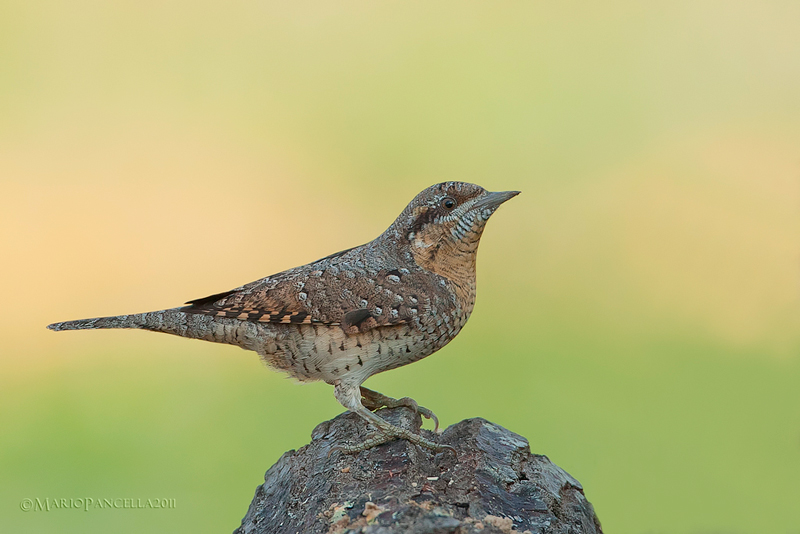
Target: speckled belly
[321, 352]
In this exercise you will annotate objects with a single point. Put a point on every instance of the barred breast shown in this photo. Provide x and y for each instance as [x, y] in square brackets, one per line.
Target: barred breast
[321, 352]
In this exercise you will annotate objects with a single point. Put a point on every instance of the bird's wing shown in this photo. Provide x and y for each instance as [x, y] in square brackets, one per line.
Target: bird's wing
[355, 299]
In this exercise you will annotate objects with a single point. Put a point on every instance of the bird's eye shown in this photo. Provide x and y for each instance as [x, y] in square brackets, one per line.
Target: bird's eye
[449, 203]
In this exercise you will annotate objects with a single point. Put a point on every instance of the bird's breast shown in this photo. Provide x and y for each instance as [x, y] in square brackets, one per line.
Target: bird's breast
[327, 353]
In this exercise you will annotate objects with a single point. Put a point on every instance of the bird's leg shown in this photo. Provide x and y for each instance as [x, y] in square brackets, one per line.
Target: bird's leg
[372, 400]
[350, 397]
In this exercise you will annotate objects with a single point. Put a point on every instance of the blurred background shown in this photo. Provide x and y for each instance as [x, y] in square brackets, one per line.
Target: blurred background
[637, 315]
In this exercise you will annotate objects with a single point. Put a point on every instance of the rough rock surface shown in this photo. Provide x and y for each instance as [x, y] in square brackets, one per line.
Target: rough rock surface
[494, 486]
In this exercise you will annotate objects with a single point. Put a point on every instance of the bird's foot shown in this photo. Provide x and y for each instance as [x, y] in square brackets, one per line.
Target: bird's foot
[372, 400]
[389, 433]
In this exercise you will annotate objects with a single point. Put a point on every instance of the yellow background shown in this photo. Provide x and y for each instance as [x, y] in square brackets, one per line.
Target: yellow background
[637, 315]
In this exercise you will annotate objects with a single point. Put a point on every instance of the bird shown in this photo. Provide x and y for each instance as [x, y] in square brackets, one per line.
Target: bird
[352, 314]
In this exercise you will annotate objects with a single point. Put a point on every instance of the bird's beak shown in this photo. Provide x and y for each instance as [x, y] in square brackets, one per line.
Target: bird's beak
[494, 198]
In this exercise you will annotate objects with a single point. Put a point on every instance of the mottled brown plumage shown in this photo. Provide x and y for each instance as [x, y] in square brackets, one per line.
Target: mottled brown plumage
[355, 313]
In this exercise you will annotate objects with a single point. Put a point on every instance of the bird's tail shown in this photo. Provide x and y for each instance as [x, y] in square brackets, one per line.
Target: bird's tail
[178, 322]
[138, 320]
[172, 321]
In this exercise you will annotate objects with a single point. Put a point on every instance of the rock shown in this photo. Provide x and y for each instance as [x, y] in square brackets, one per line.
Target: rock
[494, 486]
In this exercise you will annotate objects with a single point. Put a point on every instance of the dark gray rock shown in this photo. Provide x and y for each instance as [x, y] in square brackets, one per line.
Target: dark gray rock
[494, 486]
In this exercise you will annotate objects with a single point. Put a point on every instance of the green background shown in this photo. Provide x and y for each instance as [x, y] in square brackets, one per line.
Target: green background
[637, 315]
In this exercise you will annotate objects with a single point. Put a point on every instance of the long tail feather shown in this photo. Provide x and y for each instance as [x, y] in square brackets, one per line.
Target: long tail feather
[138, 320]
[177, 322]
[172, 321]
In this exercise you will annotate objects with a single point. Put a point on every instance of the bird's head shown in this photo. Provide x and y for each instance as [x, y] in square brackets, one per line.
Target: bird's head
[444, 223]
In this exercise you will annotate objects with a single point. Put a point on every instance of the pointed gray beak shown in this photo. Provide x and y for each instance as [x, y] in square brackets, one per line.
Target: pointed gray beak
[494, 198]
